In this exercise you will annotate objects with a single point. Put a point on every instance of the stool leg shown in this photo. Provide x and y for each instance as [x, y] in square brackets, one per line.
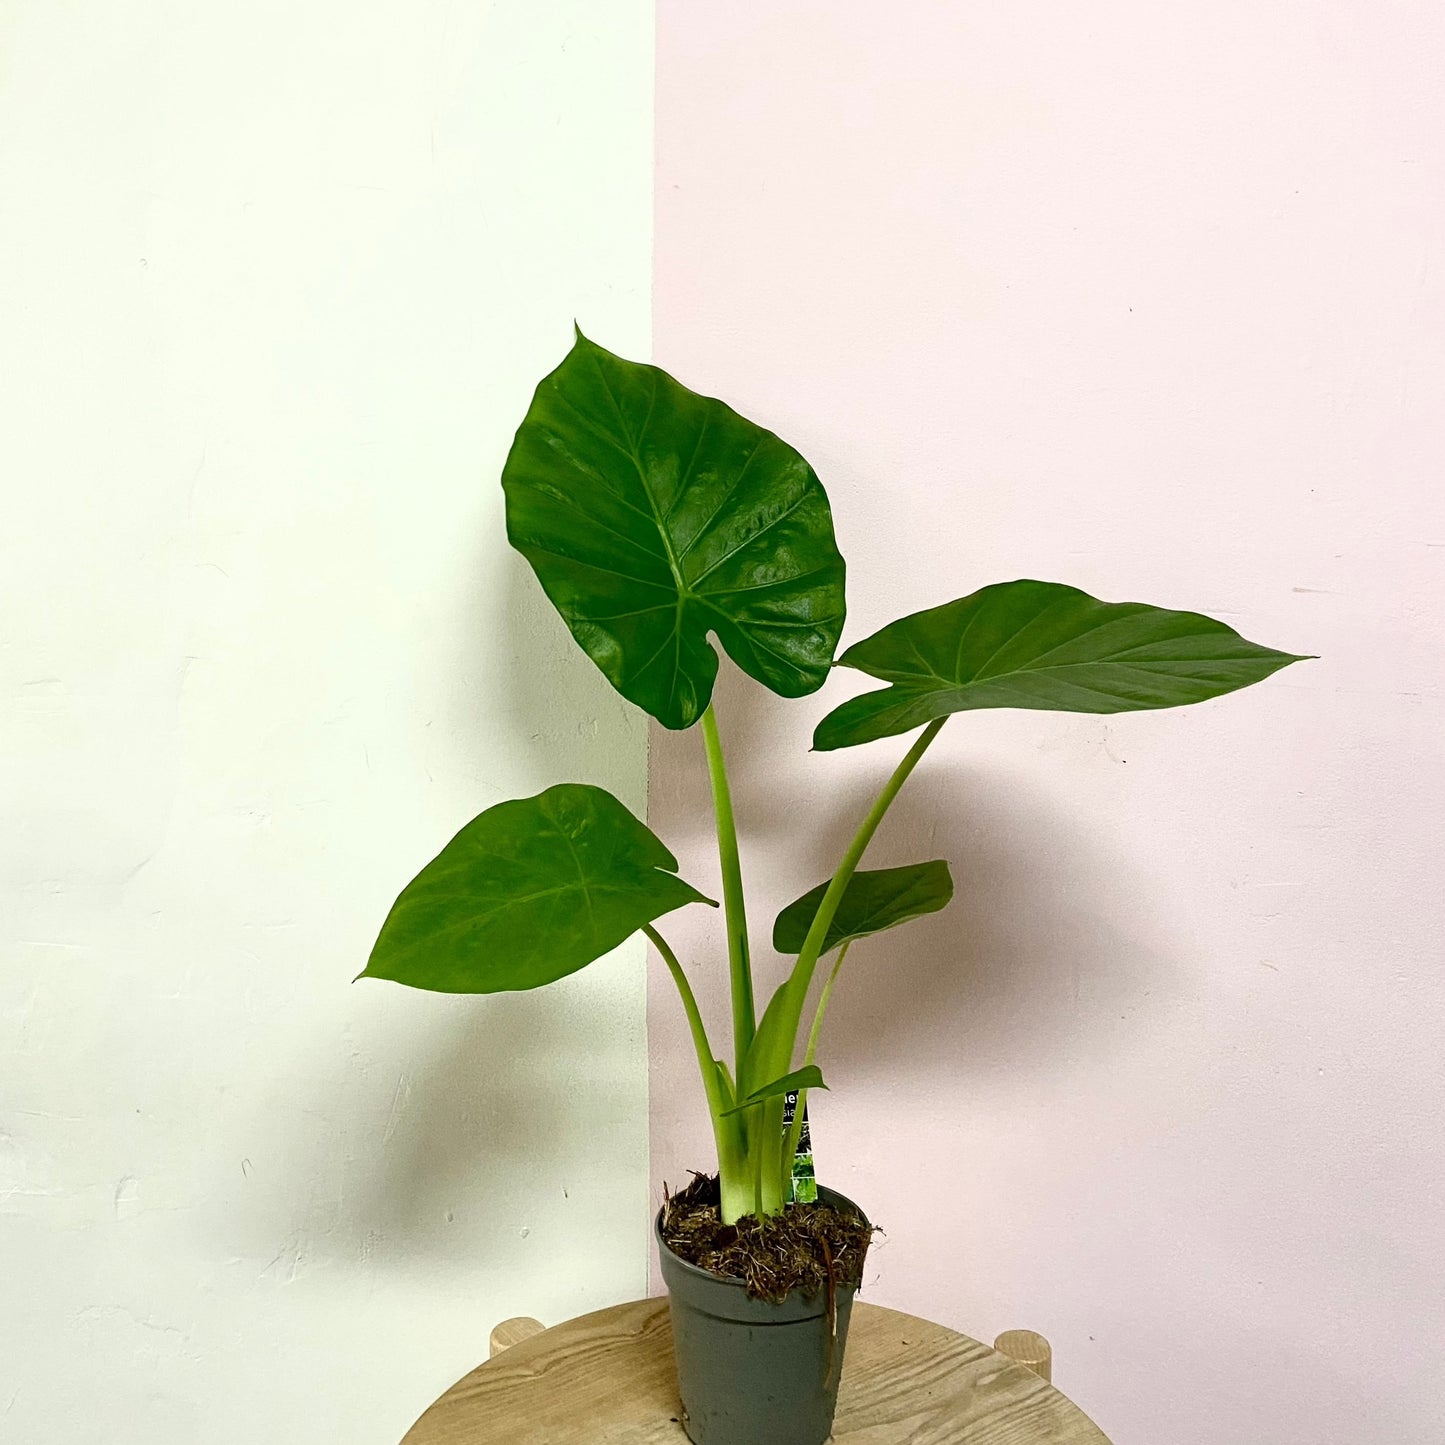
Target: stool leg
[512, 1332]
[1029, 1349]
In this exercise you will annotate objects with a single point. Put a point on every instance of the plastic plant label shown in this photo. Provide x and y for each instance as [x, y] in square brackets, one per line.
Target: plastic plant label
[804, 1185]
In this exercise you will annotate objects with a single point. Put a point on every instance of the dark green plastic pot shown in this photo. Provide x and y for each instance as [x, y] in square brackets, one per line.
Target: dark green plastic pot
[750, 1372]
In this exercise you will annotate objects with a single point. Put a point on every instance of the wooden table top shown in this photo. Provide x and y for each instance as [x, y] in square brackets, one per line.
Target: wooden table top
[607, 1379]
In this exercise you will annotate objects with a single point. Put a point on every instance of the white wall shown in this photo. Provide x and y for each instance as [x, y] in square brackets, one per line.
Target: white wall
[276, 281]
[1147, 298]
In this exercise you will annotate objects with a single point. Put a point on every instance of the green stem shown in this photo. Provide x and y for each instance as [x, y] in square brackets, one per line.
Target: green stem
[739, 961]
[802, 974]
[758, 1151]
[795, 1129]
[823, 1005]
[738, 1191]
[785, 1012]
[705, 1060]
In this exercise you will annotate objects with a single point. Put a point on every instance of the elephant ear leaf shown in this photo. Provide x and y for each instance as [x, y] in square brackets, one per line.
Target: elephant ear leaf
[1040, 645]
[875, 899]
[654, 516]
[528, 892]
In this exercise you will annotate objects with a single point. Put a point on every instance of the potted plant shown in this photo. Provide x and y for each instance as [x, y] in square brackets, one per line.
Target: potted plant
[657, 520]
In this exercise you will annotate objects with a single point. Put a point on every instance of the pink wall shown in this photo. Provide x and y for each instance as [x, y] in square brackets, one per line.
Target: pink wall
[1147, 299]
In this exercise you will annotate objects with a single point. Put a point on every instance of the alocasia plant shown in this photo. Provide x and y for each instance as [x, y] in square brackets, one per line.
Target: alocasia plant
[658, 520]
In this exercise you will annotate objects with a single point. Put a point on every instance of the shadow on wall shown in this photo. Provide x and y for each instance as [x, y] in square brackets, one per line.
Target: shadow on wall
[437, 1116]
[526, 708]
[439, 1143]
[474, 1128]
[1020, 972]
[1025, 969]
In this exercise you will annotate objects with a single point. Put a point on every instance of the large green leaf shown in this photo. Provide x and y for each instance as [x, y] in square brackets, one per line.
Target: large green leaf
[527, 892]
[1040, 645]
[875, 899]
[653, 516]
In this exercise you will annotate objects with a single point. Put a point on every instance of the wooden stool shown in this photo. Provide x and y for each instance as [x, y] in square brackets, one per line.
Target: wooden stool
[609, 1377]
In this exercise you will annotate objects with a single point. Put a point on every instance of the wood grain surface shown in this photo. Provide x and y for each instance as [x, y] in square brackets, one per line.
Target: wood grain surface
[607, 1379]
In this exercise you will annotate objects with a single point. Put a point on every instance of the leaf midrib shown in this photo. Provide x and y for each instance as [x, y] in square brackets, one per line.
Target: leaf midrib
[1118, 661]
[682, 591]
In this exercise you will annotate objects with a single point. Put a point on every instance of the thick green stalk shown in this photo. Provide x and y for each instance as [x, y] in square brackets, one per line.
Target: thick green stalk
[778, 1035]
[758, 1152]
[728, 1134]
[705, 1062]
[766, 1139]
[823, 1006]
[739, 960]
[795, 1129]
[736, 1191]
[802, 974]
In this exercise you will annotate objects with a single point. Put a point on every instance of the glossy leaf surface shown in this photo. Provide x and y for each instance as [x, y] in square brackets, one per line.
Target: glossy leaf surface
[653, 516]
[1040, 645]
[528, 892]
[808, 1077]
[875, 899]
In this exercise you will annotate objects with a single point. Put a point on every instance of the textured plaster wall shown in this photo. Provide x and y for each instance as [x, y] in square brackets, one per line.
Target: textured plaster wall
[1146, 298]
[276, 282]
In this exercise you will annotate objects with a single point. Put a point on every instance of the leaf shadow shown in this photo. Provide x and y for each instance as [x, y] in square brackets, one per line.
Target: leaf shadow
[1027, 971]
[499, 1096]
[467, 1140]
[485, 1119]
[436, 1127]
[559, 712]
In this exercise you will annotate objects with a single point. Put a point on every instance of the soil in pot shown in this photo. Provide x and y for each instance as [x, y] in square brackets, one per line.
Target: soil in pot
[815, 1248]
[760, 1313]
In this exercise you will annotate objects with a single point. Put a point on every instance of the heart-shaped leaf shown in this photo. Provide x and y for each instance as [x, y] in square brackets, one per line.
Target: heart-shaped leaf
[875, 899]
[653, 516]
[528, 892]
[808, 1077]
[1040, 645]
